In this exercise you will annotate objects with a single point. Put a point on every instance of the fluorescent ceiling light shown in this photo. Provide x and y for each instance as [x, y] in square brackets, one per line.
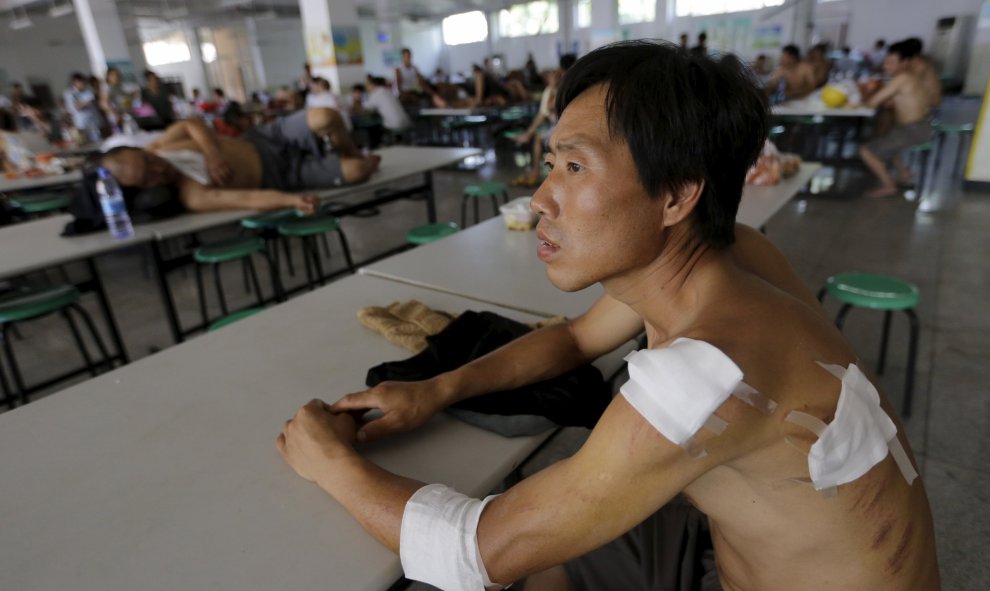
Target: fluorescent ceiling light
[58, 10]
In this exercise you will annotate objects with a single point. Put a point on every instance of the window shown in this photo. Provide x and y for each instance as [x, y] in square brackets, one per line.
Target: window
[466, 27]
[209, 52]
[582, 14]
[532, 18]
[170, 49]
[703, 7]
[637, 11]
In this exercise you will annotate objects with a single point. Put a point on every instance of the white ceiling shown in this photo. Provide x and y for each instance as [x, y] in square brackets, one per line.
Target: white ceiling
[200, 9]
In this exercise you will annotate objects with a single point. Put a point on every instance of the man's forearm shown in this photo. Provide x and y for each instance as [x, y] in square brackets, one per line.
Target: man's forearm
[375, 497]
[539, 355]
[203, 137]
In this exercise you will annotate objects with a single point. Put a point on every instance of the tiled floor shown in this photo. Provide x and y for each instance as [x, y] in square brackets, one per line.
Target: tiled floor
[944, 253]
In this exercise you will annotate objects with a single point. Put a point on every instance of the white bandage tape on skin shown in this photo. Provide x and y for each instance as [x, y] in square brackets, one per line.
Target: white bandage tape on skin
[438, 541]
[858, 438]
[677, 389]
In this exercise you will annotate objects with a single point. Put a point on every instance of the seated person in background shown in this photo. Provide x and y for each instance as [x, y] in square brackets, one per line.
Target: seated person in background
[761, 66]
[255, 171]
[413, 89]
[234, 122]
[490, 92]
[18, 146]
[545, 116]
[911, 103]
[321, 95]
[795, 76]
[381, 100]
[743, 376]
[820, 66]
[924, 69]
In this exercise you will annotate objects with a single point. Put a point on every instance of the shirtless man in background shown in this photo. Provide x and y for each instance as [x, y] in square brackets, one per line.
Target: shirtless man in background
[911, 101]
[796, 75]
[644, 185]
[258, 170]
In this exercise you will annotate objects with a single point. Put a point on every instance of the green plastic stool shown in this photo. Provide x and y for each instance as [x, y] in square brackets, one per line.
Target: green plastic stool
[35, 303]
[232, 318]
[308, 229]
[266, 226]
[919, 155]
[481, 190]
[879, 292]
[41, 202]
[239, 248]
[428, 233]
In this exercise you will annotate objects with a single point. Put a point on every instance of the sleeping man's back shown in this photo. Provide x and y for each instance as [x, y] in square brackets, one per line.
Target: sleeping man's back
[747, 401]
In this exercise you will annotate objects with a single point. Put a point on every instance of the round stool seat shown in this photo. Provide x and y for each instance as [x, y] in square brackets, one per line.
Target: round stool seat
[229, 250]
[430, 232]
[869, 290]
[485, 189]
[513, 133]
[269, 219]
[232, 318]
[954, 127]
[41, 202]
[925, 147]
[309, 226]
[36, 302]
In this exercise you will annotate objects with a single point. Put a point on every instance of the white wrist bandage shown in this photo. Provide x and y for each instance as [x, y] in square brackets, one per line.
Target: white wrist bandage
[678, 388]
[438, 542]
[858, 438]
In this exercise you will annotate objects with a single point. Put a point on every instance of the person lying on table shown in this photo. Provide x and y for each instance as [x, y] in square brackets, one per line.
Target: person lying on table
[743, 378]
[258, 170]
[912, 105]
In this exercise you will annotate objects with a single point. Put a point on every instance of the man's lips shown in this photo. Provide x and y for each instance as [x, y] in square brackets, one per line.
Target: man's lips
[544, 239]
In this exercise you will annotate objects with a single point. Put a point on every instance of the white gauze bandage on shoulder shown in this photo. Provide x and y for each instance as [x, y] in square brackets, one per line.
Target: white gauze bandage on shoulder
[438, 541]
[857, 439]
[677, 388]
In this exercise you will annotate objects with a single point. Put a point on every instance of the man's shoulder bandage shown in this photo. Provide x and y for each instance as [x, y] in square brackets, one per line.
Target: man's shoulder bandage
[858, 438]
[438, 542]
[677, 388]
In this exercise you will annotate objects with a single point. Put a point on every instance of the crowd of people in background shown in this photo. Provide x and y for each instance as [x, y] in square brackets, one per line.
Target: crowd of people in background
[897, 79]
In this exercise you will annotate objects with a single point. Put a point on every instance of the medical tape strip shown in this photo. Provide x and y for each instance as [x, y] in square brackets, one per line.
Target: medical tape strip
[438, 539]
[858, 438]
[677, 388]
[756, 399]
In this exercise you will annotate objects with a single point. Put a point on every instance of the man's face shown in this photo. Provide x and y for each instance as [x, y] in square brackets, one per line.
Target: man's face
[787, 60]
[79, 84]
[598, 223]
[138, 168]
[406, 58]
[892, 64]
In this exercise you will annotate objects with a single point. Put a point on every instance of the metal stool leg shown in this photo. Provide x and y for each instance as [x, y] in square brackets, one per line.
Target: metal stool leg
[202, 295]
[883, 342]
[15, 372]
[79, 342]
[308, 266]
[287, 248]
[464, 211]
[347, 250]
[841, 317]
[8, 397]
[477, 218]
[495, 204]
[821, 295]
[254, 281]
[245, 275]
[88, 321]
[314, 250]
[326, 245]
[219, 282]
[912, 357]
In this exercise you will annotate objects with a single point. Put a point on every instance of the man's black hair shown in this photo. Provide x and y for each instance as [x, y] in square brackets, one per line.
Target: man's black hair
[702, 37]
[913, 45]
[406, 50]
[77, 76]
[219, 92]
[567, 60]
[792, 50]
[901, 49]
[880, 44]
[685, 117]
[7, 121]
[359, 88]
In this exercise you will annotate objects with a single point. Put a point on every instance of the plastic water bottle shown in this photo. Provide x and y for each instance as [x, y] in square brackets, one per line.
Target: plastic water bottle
[113, 206]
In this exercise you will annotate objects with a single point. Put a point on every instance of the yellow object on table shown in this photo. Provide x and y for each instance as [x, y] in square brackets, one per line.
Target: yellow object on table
[834, 97]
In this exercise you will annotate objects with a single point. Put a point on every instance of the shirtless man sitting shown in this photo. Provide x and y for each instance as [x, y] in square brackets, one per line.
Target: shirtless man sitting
[644, 185]
[258, 170]
[912, 105]
[796, 76]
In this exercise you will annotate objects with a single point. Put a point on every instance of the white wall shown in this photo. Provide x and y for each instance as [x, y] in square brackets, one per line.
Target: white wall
[49, 51]
[282, 51]
[897, 19]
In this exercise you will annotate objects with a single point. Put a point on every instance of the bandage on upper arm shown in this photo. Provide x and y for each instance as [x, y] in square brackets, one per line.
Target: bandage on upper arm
[678, 388]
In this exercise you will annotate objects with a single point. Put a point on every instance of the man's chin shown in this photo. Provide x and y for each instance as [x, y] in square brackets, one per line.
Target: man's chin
[567, 283]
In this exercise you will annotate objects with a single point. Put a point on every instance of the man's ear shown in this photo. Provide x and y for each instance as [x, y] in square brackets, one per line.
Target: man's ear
[680, 204]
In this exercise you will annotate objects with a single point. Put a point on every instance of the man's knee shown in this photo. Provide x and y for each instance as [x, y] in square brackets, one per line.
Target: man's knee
[322, 119]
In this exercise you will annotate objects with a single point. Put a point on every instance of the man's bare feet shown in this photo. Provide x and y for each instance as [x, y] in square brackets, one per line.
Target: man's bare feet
[881, 191]
[307, 203]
